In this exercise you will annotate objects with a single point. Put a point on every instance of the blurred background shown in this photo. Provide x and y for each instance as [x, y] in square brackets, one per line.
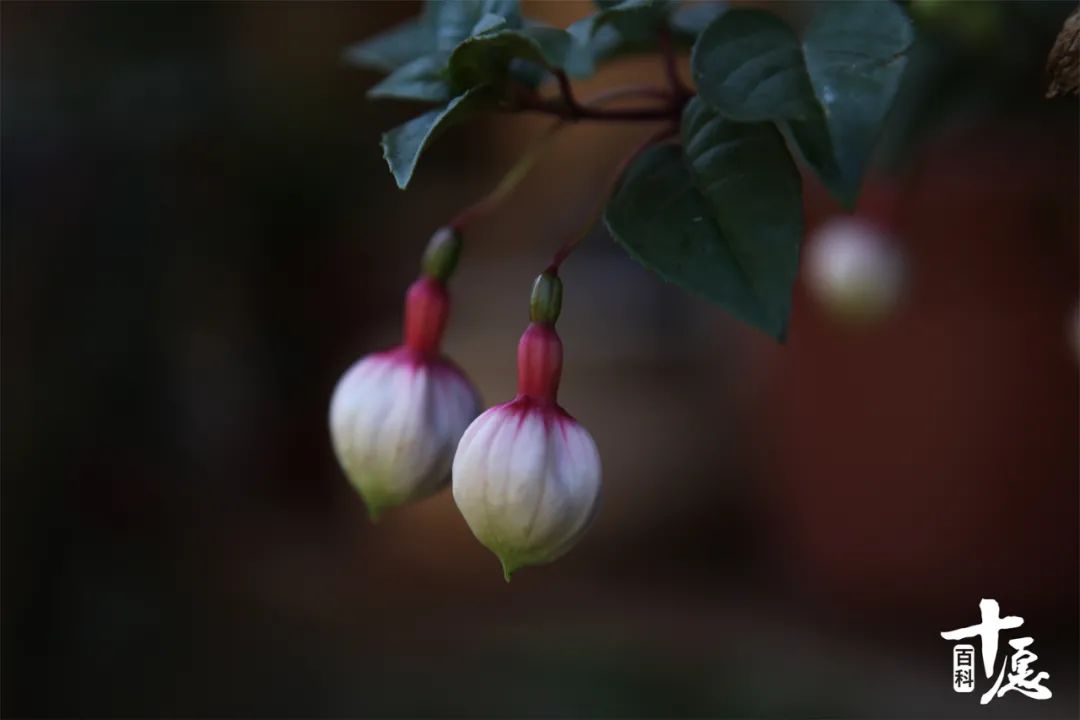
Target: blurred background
[199, 235]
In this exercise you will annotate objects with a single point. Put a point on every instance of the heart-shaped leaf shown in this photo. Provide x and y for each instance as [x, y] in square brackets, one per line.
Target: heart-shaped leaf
[403, 145]
[621, 27]
[690, 18]
[456, 20]
[748, 65]
[634, 19]
[486, 59]
[423, 79]
[661, 218]
[829, 94]
[392, 48]
[856, 53]
[753, 188]
[488, 23]
[441, 26]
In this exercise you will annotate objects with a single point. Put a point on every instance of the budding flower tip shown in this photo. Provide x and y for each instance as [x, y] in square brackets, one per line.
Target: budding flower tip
[441, 256]
[545, 303]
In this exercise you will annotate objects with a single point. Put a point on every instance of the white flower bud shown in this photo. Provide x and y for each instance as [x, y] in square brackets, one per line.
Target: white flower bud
[397, 416]
[854, 269]
[526, 475]
[527, 480]
[395, 420]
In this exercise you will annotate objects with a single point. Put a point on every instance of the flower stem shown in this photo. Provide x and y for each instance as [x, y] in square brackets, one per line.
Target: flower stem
[569, 108]
[629, 91]
[581, 112]
[524, 165]
[509, 181]
[574, 240]
[671, 67]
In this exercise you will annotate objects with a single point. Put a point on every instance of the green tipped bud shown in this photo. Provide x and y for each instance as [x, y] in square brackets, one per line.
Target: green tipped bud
[441, 255]
[546, 300]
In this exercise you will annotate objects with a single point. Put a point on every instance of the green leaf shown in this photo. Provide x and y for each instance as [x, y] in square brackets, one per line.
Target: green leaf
[690, 18]
[403, 145]
[660, 217]
[441, 26]
[555, 45]
[484, 58]
[829, 95]
[393, 48]
[634, 19]
[423, 79]
[455, 20]
[621, 27]
[748, 65]
[487, 23]
[580, 60]
[487, 59]
[811, 139]
[856, 53]
[602, 45]
[753, 188]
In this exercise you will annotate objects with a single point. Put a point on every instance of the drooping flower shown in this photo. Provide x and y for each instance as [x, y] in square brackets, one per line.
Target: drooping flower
[526, 475]
[855, 269]
[396, 416]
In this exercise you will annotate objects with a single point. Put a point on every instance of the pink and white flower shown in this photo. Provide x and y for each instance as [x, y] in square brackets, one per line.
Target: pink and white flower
[526, 475]
[396, 416]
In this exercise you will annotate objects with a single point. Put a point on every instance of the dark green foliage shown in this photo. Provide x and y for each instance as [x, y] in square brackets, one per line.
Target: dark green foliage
[722, 214]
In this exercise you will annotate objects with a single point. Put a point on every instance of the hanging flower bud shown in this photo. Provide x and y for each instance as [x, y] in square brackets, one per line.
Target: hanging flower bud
[526, 474]
[854, 269]
[396, 416]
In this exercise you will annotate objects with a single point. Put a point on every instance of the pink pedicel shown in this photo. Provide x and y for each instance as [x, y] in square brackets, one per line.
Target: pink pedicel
[427, 307]
[539, 359]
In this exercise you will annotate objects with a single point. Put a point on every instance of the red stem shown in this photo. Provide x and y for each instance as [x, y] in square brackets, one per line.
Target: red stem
[567, 91]
[671, 68]
[628, 91]
[568, 246]
[581, 112]
[569, 108]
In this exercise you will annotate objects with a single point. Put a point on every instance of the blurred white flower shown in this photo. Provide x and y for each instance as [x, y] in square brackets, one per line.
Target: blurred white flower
[855, 269]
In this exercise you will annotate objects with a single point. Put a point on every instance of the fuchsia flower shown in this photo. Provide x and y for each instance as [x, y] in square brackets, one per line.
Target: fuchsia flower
[855, 269]
[396, 416]
[526, 475]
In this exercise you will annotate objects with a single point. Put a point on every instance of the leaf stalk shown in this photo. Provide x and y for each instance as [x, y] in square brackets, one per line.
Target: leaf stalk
[568, 107]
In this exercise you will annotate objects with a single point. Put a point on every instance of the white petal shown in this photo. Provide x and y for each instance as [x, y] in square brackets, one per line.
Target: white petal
[527, 481]
[395, 424]
[470, 478]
